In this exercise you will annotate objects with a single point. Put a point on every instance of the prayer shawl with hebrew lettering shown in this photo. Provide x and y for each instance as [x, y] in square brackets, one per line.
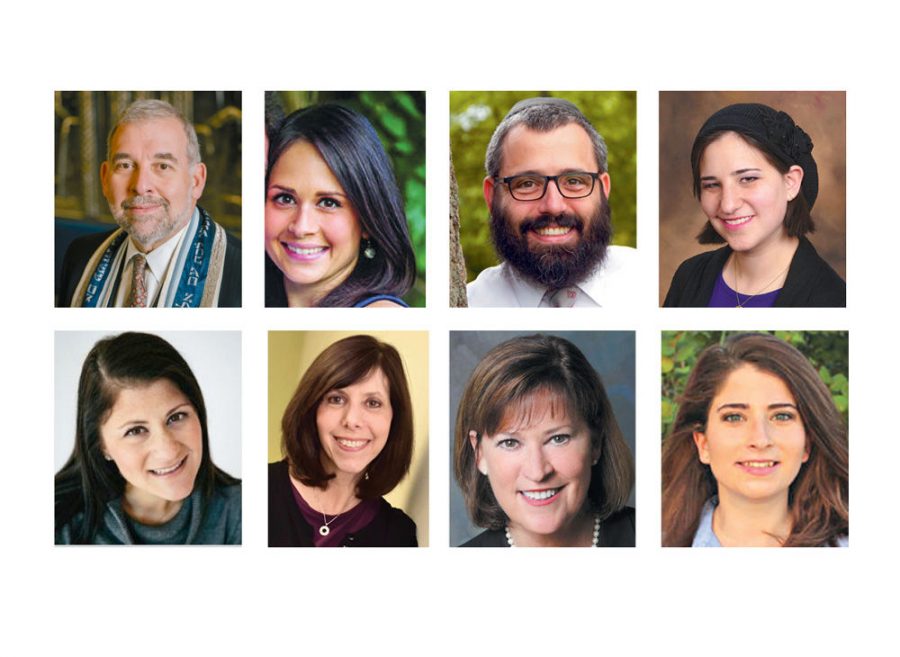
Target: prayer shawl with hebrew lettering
[195, 273]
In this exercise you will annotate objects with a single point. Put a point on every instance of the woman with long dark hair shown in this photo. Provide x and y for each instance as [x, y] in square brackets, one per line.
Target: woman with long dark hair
[758, 452]
[141, 470]
[336, 231]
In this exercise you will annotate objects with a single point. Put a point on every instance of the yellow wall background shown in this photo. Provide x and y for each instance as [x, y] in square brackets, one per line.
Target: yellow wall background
[292, 352]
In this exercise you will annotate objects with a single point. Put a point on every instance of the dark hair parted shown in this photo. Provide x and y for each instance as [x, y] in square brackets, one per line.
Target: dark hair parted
[818, 497]
[342, 364]
[504, 384]
[87, 482]
[350, 147]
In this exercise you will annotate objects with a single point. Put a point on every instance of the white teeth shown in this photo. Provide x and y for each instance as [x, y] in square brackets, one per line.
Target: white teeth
[553, 230]
[351, 444]
[301, 251]
[737, 221]
[541, 494]
[759, 464]
[165, 471]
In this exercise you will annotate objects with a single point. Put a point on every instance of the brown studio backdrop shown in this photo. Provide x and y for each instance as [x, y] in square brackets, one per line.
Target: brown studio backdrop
[822, 114]
[290, 355]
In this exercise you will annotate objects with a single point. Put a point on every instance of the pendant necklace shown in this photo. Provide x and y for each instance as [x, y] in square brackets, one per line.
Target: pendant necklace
[737, 296]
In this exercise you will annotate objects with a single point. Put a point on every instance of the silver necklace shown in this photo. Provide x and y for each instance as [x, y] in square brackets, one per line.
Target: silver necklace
[737, 296]
[594, 540]
[324, 530]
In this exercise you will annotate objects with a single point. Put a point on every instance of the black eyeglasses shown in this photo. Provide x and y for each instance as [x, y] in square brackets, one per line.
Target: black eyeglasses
[532, 187]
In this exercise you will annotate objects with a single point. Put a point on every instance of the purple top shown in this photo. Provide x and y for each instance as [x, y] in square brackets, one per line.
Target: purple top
[343, 524]
[724, 297]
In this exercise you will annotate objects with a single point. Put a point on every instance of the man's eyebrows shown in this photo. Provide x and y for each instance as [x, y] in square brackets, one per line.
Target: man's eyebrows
[169, 157]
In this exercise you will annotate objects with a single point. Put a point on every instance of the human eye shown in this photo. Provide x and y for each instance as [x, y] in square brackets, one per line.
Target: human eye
[508, 444]
[374, 403]
[575, 181]
[748, 179]
[526, 183]
[136, 430]
[122, 165]
[783, 416]
[560, 439]
[163, 166]
[334, 399]
[177, 417]
[283, 199]
[732, 417]
[329, 203]
[708, 185]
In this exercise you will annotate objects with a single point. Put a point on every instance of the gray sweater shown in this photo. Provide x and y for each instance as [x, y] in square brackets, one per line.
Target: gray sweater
[220, 525]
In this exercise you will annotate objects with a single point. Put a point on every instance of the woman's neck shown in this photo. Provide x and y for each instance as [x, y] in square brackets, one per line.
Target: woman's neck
[578, 533]
[301, 296]
[761, 270]
[739, 522]
[338, 496]
[148, 509]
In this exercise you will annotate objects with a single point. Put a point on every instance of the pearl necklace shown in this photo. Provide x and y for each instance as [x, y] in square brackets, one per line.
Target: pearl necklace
[594, 541]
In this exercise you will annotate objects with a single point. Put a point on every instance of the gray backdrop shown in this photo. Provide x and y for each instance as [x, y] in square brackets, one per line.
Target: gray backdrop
[610, 352]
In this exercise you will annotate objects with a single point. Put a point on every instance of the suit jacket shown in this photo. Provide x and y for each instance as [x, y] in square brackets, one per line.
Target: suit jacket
[389, 528]
[82, 248]
[810, 282]
[616, 531]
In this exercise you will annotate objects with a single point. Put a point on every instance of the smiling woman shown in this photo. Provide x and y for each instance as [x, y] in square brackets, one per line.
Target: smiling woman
[758, 453]
[335, 230]
[141, 470]
[347, 438]
[539, 456]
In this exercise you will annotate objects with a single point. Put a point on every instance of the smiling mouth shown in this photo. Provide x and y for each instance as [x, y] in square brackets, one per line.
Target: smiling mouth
[758, 468]
[540, 497]
[163, 472]
[736, 222]
[304, 251]
[351, 445]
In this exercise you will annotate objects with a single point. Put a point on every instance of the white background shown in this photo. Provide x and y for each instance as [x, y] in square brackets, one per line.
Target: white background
[439, 600]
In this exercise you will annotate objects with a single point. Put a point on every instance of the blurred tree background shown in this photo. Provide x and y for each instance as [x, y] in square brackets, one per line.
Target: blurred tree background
[473, 117]
[825, 350]
[399, 119]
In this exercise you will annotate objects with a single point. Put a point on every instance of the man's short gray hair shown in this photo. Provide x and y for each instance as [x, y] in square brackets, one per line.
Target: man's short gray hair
[541, 115]
[146, 110]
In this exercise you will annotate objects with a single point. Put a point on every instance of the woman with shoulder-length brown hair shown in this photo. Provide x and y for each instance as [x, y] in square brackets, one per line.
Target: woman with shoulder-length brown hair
[347, 437]
[539, 455]
[758, 453]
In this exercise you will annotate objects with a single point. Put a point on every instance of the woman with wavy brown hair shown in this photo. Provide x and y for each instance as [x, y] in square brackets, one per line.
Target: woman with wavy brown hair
[758, 452]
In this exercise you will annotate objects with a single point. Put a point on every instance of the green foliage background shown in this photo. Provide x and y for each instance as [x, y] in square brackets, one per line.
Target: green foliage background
[473, 117]
[399, 119]
[826, 350]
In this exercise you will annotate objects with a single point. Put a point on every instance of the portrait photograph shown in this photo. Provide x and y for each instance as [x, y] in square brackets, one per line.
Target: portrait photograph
[147, 197]
[755, 448]
[147, 446]
[752, 198]
[348, 439]
[345, 199]
[543, 196]
[542, 445]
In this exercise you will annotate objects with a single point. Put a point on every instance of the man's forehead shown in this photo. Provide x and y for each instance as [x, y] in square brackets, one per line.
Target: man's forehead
[164, 134]
[566, 148]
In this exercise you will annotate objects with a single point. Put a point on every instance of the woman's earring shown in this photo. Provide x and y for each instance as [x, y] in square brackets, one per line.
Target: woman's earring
[367, 476]
[107, 457]
[369, 251]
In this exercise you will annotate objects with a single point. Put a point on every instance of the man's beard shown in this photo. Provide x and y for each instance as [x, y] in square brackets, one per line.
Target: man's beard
[149, 231]
[553, 266]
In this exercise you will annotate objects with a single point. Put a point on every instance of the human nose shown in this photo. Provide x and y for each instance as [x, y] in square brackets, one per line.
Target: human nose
[537, 465]
[303, 223]
[760, 433]
[164, 444]
[730, 201]
[142, 183]
[553, 202]
[352, 418]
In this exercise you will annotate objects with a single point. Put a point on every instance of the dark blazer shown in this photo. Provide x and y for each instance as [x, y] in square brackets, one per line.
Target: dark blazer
[389, 528]
[615, 531]
[810, 283]
[82, 248]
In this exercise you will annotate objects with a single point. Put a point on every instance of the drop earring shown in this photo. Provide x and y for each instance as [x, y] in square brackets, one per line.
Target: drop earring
[369, 250]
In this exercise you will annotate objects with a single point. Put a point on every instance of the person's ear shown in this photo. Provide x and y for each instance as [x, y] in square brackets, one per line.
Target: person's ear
[489, 192]
[480, 461]
[198, 177]
[603, 179]
[702, 445]
[793, 179]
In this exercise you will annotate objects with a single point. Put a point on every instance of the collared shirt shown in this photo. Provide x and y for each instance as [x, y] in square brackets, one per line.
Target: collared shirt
[612, 285]
[706, 537]
[159, 266]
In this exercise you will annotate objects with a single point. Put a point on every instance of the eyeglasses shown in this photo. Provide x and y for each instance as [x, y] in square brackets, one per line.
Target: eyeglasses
[532, 187]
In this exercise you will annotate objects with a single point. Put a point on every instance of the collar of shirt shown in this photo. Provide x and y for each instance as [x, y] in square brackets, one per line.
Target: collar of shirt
[159, 264]
[705, 536]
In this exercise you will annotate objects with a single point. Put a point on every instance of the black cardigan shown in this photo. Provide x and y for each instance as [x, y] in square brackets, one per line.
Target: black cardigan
[810, 282]
[616, 531]
[389, 528]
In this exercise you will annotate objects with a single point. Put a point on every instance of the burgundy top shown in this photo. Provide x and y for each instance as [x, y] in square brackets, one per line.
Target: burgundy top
[345, 523]
[724, 297]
